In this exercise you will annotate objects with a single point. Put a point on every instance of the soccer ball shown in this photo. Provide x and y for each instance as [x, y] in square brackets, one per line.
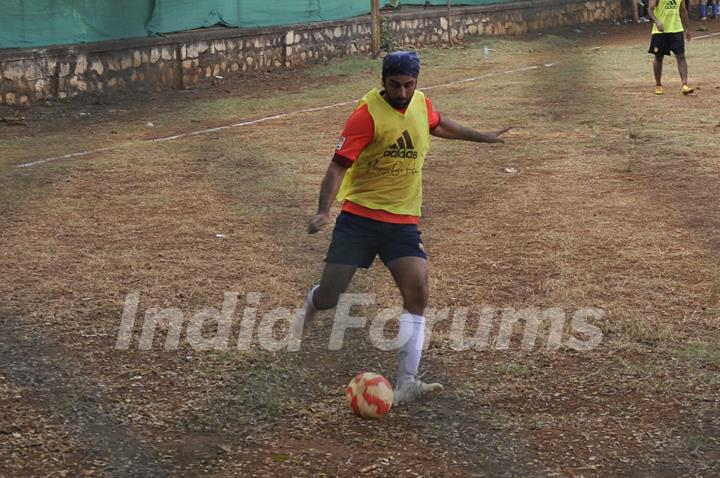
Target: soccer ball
[369, 395]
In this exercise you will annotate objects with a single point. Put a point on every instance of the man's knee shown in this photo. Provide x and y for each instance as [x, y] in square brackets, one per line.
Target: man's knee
[417, 299]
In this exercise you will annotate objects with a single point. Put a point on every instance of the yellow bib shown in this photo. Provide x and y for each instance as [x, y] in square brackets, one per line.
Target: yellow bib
[388, 173]
[668, 12]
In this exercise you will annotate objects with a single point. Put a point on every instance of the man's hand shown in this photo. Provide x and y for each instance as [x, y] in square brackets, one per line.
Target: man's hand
[659, 26]
[494, 136]
[317, 222]
[688, 37]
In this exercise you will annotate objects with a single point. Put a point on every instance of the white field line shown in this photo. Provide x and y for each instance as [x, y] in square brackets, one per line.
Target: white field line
[273, 117]
[705, 36]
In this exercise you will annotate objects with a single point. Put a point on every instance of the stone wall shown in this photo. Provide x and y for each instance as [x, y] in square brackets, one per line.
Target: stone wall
[182, 60]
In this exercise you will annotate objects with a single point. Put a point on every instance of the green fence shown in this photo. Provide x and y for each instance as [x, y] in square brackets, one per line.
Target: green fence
[37, 23]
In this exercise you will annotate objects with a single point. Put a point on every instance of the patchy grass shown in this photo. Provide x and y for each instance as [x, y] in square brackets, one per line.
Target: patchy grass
[352, 67]
[705, 354]
[517, 369]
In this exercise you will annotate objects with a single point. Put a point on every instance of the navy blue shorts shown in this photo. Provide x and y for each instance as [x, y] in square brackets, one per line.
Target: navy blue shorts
[664, 43]
[357, 240]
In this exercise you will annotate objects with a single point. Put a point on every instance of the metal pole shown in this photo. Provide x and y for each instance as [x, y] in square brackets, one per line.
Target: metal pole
[375, 26]
[450, 39]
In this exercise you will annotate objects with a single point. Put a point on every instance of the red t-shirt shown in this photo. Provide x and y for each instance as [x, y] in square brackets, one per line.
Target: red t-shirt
[356, 136]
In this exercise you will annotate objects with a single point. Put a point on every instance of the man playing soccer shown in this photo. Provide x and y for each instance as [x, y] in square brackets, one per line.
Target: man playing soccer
[670, 19]
[377, 173]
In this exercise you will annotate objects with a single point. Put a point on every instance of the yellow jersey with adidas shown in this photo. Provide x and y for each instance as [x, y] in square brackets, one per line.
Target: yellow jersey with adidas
[388, 173]
[667, 12]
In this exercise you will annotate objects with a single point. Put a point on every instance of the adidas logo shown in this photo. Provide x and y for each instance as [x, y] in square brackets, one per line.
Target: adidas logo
[403, 148]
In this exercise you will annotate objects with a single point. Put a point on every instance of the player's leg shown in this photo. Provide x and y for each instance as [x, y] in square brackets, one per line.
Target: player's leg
[404, 255]
[703, 9]
[411, 277]
[334, 281]
[682, 68]
[353, 245]
[658, 48]
[678, 48]
[410, 274]
[657, 71]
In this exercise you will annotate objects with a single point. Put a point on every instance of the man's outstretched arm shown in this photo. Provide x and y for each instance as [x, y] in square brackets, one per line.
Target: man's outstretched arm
[328, 190]
[449, 129]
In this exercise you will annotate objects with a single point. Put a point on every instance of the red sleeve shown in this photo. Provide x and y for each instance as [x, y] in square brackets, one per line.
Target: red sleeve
[356, 136]
[433, 115]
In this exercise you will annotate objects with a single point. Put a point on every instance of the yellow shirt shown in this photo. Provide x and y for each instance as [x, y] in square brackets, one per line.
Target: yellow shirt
[668, 13]
[388, 173]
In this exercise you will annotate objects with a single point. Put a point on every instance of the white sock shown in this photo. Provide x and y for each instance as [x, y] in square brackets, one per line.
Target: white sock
[310, 309]
[412, 337]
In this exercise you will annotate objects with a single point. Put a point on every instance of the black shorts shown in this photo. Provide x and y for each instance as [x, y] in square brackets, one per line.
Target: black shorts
[664, 43]
[357, 240]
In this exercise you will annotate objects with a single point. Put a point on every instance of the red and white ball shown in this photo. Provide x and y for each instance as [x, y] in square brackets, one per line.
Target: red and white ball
[369, 395]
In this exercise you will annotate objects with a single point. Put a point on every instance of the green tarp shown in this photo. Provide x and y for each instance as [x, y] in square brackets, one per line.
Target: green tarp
[178, 15]
[37, 23]
[33, 23]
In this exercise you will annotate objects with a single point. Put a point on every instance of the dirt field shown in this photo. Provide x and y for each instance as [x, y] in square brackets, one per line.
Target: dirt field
[613, 206]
